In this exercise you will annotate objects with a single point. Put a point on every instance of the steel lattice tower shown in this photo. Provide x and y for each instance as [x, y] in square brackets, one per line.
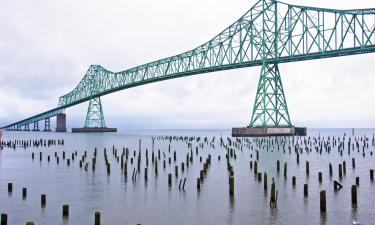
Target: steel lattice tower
[270, 107]
[95, 115]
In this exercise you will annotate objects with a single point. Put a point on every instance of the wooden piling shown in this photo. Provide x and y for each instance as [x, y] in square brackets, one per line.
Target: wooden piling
[293, 181]
[323, 201]
[265, 181]
[65, 210]
[330, 170]
[357, 181]
[307, 167]
[273, 195]
[305, 190]
[231, 185]
[285, 169]
[24, 193]
[320, 177]
[169, 179]
[97, 218]
[10, 187]
[353, 163]
[340, 171]
[354, 194]
[43, 200]
[4, 219]
[297, 158]
[278, 165]
[255, 167]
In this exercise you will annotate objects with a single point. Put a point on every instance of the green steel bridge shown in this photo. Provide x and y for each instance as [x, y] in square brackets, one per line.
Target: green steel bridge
[268, 34]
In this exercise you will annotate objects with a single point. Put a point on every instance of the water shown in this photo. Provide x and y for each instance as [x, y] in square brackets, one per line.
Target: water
[123, 201]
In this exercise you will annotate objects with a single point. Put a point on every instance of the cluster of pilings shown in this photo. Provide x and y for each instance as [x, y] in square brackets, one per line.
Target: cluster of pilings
[149, 161]
[31, 143]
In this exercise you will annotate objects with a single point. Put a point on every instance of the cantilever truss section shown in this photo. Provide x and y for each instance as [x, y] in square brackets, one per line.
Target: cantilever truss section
[95, 115]
[270, 107]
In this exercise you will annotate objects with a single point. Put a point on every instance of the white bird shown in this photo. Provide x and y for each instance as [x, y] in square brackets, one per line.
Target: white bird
[356, 222]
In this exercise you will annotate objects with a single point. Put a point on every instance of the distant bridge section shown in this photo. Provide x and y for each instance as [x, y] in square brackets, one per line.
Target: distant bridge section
[270, 33]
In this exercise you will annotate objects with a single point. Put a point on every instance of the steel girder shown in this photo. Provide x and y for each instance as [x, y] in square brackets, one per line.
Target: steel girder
[270, 32]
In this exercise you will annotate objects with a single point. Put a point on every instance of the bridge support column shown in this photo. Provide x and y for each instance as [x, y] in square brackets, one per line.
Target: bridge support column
[27, 128]
[36, 126]
[95, 115]
[19, 128]
[94, 119]
[61, 122]
[270, 115]
[270, 107]
[47, 124]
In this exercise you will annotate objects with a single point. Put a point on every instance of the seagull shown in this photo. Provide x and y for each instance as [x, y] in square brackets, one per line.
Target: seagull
[356, 222]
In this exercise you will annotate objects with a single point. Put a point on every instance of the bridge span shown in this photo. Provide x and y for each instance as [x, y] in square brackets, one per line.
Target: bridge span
[269, 33]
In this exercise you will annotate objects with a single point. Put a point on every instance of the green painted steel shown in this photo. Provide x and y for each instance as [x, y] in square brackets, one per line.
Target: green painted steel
[270, 33]
[95, 115]
[270, 107]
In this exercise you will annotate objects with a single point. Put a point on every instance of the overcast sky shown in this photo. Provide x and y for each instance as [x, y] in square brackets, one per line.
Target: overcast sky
[47, 46]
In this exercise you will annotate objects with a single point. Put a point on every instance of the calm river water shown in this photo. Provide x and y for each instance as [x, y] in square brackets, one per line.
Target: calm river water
[125, 201]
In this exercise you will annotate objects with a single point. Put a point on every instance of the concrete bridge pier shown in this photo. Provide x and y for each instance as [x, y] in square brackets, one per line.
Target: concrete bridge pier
[47, 124]
[61, 123]
[36, 126]
[27, 128]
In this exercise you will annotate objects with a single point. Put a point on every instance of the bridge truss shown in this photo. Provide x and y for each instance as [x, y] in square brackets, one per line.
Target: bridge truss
[268, 34]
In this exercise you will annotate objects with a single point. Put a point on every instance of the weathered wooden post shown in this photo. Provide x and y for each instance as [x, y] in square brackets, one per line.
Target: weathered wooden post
[97, 218]
[169, 179]
[231, 185]
[4, 219]
[320, 177]
[305, 190]
[24, 193]
[340, 171]
[307, 167]
[198, 183]
[278, 165]
[323, 202]
[66, 210]
[265, 181]
[357, 181]
[43, 200]
[285, 169]
[354, 194]
[273, 195]
[297, 158]
[294, 181]
[330, 170]
[10, 187]
[353, 163]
